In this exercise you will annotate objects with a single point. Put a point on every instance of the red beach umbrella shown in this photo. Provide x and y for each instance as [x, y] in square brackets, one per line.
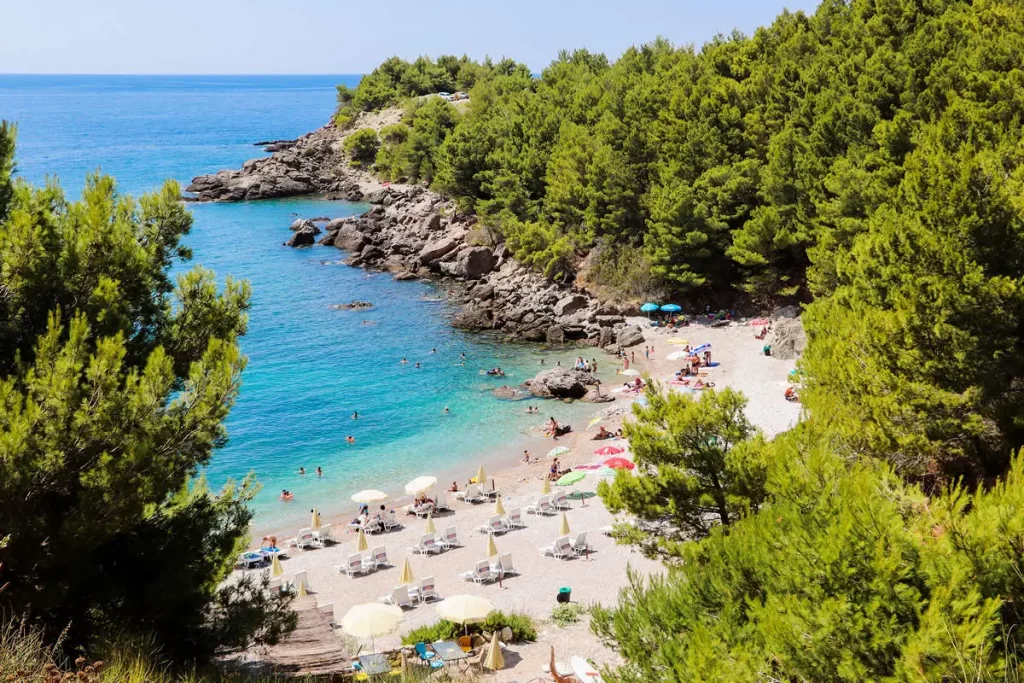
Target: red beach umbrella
[619, 464]
[609, 450]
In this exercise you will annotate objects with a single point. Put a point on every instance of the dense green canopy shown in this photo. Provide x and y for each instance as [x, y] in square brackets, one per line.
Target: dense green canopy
[114, 384]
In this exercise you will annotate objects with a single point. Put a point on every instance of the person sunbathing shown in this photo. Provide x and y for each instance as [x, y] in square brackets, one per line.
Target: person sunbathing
[602, 433]
[454, 488]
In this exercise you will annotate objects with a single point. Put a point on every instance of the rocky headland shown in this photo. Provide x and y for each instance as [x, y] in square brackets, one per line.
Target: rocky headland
[413, 232]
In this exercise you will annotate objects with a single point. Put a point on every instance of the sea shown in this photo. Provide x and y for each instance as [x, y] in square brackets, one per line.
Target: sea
[310, 365]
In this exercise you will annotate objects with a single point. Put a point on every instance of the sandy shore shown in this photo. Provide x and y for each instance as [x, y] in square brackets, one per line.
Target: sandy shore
[594, 579]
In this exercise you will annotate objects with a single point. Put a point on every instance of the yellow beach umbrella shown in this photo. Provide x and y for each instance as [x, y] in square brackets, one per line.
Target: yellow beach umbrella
[431, 529]
[564, 529]
[545, 488]
[369, 496]
[302, 589]
[362, 546]
[465, 609]
[481, 476]
[499, 509]
[419, 485]
[594, 421]
[492, 549]
[407, 575]
[371, 620]
[494, 660]
[315, 523]
[275, 567]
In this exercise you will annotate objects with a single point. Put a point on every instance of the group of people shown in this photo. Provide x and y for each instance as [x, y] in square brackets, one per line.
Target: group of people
[496, 372]
[363, 516]
[555, 471]
[585, 365]
[635, 387]
[603, 434]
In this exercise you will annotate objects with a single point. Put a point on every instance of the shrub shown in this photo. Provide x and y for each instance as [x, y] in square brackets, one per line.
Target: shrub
[522, 626]
[362, 145]
[568, 613]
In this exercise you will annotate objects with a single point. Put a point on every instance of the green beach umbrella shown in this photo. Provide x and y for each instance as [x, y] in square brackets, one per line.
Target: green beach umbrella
[557, 451]
[570, 478]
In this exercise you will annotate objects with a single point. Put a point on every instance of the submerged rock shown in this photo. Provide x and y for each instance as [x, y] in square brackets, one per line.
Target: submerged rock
[353, 306]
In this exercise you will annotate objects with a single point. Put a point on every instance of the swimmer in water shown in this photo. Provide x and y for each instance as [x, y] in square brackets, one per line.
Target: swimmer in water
[355, 414]
[319, 472]
[433, 351]
[446, 410]
[286, 494]
[404, 361]
[302, 471]
[350, 439]
[417, 365]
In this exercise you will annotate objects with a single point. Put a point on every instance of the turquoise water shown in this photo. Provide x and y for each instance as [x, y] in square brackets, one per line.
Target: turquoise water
[310, 365]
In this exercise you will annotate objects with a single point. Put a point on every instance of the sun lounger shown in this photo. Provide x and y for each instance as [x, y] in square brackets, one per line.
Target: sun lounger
[561, 502]
[373, 526]
[480, 573]
[514, 519]
[250, 560]
[472, 494]
[561, 548]
[449, 539]
[441, 502]
[495, 525]
[274, 585]
[354, 565]
[425, 590]
[300, 579]
[423, 510]
[426, 545]
[492, 493]
[579, 544]
[398, 596]
[323, 536]
[390, 521]
[506, 564]
[305, 539]
[541, 506]
[377, 558]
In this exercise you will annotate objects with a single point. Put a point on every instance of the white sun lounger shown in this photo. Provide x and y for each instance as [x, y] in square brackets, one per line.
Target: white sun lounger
[399, 596]
[561, 548]
[541, 506]
[324, 535]
[561, 502]
[377, 558]
[441, 501]
[515, 519]
[495, 525]
[449, 539]
[472, 494]
[305, 539]
[426, 545]
[390, 521]
[480, 573]
[354, 565]
[579, 544]
[425, 590]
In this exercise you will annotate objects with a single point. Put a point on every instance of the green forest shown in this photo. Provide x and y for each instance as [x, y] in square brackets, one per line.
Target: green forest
[864, 161]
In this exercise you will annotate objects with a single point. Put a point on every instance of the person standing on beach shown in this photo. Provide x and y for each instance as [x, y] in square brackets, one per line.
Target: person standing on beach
[647, 353]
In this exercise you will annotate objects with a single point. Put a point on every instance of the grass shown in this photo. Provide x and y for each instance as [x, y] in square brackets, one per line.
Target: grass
[568, 613]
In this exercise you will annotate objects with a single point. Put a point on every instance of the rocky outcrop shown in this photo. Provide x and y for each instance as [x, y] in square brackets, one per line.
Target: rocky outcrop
[561, 383]
[787, 338]
[303, 237]
[311, 164]
[628, 335]
[354, 306]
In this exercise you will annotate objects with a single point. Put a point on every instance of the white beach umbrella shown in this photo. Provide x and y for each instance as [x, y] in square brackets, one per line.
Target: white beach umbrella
[677, 355]
[630, 372]
[419, 485]
[371, 620]
[465, 609]
[369, 496]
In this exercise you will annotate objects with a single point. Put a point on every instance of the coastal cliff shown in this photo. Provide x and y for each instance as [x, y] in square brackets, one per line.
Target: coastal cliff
[414, 232]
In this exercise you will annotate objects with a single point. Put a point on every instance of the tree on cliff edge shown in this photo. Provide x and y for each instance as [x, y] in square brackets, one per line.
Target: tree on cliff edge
[114, 384]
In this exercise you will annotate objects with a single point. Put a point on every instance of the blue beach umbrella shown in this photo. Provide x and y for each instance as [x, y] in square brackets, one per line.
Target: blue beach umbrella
[649, 308]
[671, 308]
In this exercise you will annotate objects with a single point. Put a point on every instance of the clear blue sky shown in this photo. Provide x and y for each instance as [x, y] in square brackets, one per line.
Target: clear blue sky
[341, 36]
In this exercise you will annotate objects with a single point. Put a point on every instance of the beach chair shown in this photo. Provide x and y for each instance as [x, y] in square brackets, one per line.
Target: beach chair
[300, 579]
[354, 565]
[424, 510]
[472, 494]
[373, 526]
[541, 506]
[506, 564]
[480, 573]
[251, 559]
[427, 657]
[579, 544]
[425, 590]
[561, 502]
[450, 538]
[324, 535]
[426, 545]
[495, 525]
[274, 586]
[492, 493]
[378, 558]
[305, 539]
[399, 596]
[561, 548]
[390, 521]
[515, 519]
[441, 502]
[328, 611]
